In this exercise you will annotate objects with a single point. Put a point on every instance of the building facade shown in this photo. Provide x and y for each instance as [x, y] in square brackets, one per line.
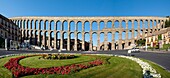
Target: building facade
[8, 29]
[152, 40]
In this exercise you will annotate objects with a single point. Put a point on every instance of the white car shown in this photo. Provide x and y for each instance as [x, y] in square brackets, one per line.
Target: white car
[62, 50]
[135, 50]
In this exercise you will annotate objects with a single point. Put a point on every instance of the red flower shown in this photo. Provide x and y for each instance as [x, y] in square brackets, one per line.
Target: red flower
[19, 70]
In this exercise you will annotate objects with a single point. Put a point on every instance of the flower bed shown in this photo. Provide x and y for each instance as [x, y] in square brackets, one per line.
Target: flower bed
[19, 70]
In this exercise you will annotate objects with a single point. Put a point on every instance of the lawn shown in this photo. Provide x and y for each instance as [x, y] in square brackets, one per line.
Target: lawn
[35, 62]
[117, 68]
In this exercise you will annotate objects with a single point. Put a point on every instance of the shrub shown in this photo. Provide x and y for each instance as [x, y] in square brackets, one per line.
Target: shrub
[58, 56]
[150, 47]
[166, 46]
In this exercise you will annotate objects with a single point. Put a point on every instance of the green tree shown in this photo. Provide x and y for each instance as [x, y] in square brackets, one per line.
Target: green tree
[167, 23]
[141, 42]
[159, 37]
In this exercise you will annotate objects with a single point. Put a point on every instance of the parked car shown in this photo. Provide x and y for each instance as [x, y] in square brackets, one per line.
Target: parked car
[135, 50]
[62, 50]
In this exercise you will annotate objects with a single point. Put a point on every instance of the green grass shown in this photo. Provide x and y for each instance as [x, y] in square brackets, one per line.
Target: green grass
[35, 62]
[118, 68]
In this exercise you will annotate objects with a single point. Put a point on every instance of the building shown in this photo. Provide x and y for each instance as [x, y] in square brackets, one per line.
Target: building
[8, 30]
[152, 40]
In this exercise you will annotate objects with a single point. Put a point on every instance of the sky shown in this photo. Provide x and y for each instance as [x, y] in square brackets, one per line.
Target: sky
[13, 8]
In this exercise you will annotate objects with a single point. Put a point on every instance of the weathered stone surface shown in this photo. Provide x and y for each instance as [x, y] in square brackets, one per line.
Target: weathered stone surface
[160, 21]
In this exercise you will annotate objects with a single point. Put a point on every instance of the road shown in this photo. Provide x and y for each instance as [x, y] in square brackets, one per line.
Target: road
[163, 59]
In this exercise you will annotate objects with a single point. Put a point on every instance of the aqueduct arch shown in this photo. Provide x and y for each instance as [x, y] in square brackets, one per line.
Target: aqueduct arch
[50, 31]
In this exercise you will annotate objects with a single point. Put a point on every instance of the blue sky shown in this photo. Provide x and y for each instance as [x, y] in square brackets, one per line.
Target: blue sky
[12, 8]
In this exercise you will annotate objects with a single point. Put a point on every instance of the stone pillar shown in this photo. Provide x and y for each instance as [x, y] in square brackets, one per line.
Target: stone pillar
[44, 24]
[146, 44]
[149, 26]
[75, 42]
[39, 36]
[156, 25]
[120, 40]
[98, 40]
[68, 36]
[133, 32]
[83, 33]
[164, 23]
[55, 40]
[105, 41]
[26, 34]
[44, 39]
[98, 36]
[120, 23]
[68, 40]
[34, 24]
[49, 39]
[83, 43]
[91, 43]
[105, 24]
[39, 33]
[113, 24]
[98, 23]
[138, 37]
[27, 24]
[113, 40]
[39, 25]
[55, 25]
[76, 28]
[34, 36]
[30, 36]
[31, 24]
[22, 25]
[153, 27]
[61, 40]
[126, 39]
[143, 28]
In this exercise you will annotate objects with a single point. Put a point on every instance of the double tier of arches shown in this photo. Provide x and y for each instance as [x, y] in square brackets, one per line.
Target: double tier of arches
[86, 34]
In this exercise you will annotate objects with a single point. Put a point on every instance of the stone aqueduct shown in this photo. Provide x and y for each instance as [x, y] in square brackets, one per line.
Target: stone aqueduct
[41, 27]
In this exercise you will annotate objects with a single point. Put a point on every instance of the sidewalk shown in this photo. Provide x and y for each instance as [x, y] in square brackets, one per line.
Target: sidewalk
[2, 49]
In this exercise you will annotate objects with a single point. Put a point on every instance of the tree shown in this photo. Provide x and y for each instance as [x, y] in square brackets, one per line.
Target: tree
[167, 23]
[159, 37]
[141, 42]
